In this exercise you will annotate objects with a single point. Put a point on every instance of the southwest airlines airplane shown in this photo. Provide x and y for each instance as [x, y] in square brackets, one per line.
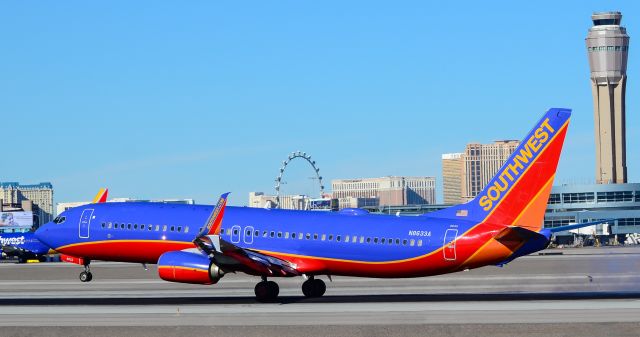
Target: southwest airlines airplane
[200, 244]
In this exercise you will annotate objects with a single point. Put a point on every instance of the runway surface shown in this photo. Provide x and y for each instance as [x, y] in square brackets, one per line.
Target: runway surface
[599, 288]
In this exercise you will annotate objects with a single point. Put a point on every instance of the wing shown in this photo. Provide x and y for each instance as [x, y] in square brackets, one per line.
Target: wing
[231, 257]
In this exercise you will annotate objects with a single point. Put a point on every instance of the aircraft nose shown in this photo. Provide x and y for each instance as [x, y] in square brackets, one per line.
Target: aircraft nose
[41, 233]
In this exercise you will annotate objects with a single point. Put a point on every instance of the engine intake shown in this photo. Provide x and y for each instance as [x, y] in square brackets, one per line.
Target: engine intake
[188, 267]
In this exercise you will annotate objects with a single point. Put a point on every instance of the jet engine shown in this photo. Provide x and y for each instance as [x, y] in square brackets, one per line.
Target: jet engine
[188, 267]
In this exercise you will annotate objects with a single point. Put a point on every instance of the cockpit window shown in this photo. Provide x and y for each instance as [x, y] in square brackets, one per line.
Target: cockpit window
[59, 219]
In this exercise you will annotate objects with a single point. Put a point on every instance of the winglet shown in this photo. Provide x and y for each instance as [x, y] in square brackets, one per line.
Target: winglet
[212, 226]
[101, 196]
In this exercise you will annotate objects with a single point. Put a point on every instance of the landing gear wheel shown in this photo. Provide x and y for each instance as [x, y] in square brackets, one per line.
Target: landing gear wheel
[86, 276]
[267, 291]
[313, 288]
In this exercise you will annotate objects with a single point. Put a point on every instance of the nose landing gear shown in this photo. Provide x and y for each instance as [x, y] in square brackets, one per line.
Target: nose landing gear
[86, 275]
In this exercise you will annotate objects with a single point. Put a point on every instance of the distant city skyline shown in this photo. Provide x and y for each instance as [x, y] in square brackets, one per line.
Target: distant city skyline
[161, 100]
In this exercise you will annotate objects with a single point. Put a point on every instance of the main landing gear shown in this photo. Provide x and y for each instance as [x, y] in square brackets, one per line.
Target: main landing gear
[86, 275]
[266, 291]
[313, 287]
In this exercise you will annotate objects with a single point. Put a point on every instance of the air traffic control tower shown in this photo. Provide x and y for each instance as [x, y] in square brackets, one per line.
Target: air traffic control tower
[607, 47]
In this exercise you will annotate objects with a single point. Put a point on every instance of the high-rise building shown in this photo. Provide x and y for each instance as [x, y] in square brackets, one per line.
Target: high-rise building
[452, 171]
[481, 162]
[12, 193]
[607, 47]
[388, 190]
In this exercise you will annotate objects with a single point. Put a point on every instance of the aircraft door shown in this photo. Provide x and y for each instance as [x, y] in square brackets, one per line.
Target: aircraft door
[235, 234]
[85, 221]
[449, 249]
[248, 235]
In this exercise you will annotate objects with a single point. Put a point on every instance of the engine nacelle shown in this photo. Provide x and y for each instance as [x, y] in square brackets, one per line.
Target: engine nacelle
[188, 267]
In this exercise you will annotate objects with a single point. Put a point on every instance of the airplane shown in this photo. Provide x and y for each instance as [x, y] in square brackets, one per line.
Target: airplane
[24, 246]
[200, 243]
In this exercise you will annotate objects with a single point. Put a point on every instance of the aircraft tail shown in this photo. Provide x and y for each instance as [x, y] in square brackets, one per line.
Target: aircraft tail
[517, 195]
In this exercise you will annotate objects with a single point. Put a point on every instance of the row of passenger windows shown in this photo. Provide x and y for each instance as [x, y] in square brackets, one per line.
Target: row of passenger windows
[142, 227]
[324, 237]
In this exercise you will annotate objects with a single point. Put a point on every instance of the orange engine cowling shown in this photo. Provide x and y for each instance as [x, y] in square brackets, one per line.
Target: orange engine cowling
[188, 267]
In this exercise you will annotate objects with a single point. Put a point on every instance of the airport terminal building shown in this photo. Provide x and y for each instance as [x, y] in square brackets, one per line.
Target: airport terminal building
[570, 204]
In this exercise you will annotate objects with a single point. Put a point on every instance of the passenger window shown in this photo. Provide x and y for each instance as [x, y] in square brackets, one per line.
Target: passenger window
[264, 234]
[368, 240]
[404, 242]
[300, 236]
[324, 237]
[355, 238]
[128, 226]
[419, 243]
[412, 242]
[142, 227]
[104, 225]
[235, 232]
[381, 240]
[315, 236]
[346, 238]
[248, 232]
[338, 238]
[362, 239]
[397, 241]
[109, 225]
[308, 236]
[222, 230]
[375, 240]
[157, 228]
[330, 237]
[172, 228]
[135, 226]
[164, 228]
[150, 227]
[286, 235]
[179, 228]
[228, 231]
[293, 235]
[186, 229]
[272, 234]
[279, 234]
[256, 233]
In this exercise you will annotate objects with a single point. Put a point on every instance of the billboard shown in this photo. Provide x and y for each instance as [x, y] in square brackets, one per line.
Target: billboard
[16, 220]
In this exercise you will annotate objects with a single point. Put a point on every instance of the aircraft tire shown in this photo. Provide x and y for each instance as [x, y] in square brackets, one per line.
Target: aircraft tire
[266, 291]
[319, 287]
[274, 289]
[85, 276]
[313, 288]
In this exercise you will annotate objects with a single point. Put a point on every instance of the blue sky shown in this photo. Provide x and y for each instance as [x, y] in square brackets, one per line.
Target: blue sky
[191, 99]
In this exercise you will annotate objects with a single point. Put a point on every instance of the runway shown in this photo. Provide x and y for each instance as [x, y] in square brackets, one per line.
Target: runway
[594, 289]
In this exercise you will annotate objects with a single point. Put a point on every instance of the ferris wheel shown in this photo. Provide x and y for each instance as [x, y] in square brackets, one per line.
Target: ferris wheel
[292, 156]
